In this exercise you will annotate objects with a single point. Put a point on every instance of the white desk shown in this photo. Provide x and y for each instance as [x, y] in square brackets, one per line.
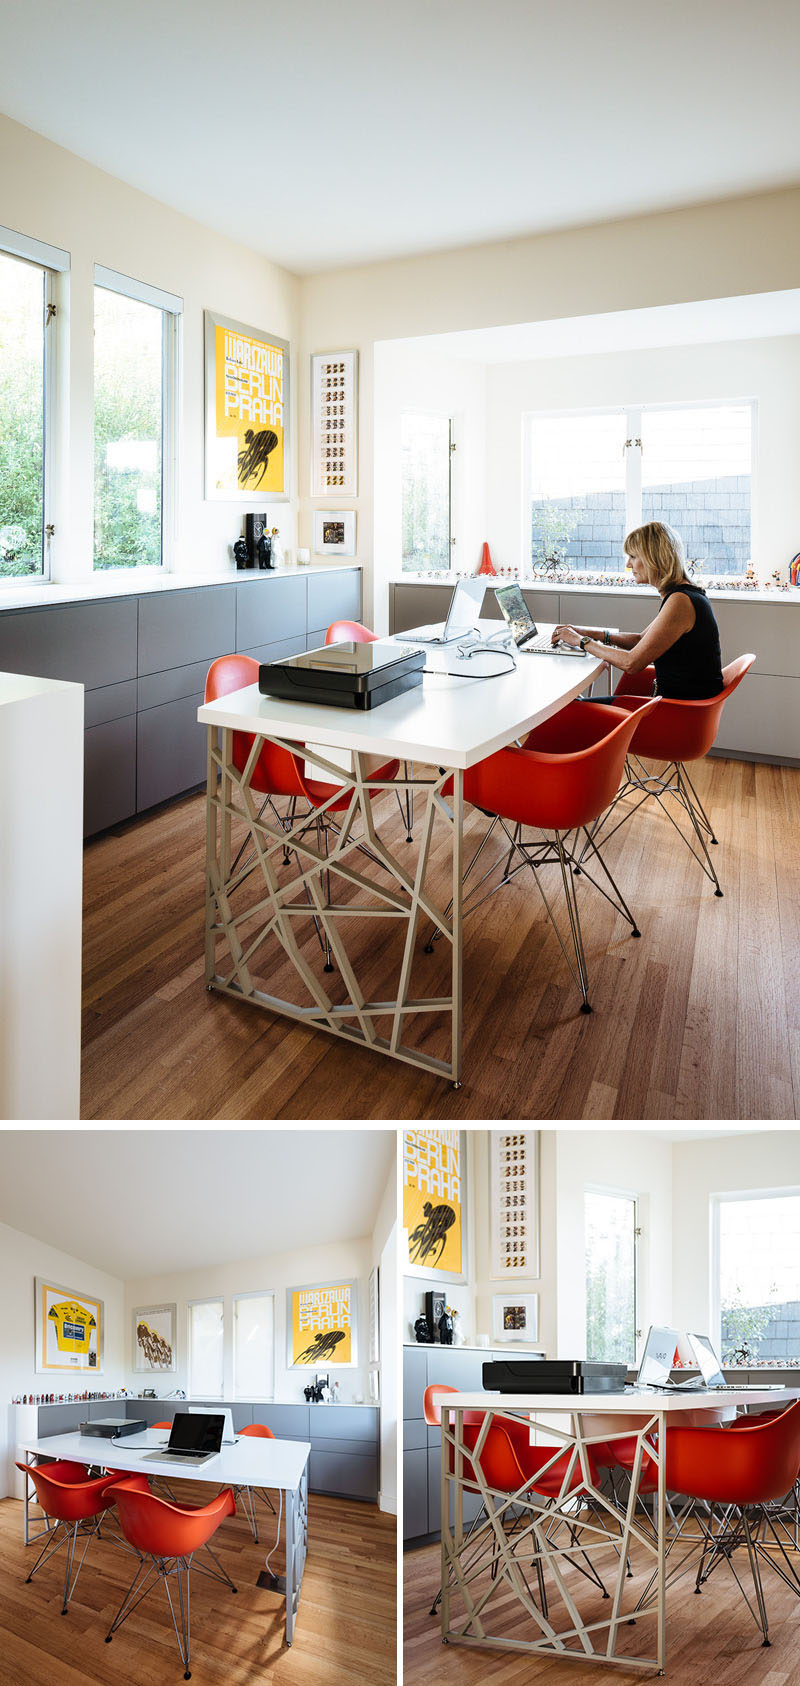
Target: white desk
[448, 722]
[250, 1462]
[587, 1419]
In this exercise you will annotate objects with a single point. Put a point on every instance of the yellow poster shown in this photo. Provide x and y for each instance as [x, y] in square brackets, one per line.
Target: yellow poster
[432, 1199]
[247, 422]
[69, 1329]
[322, 1324]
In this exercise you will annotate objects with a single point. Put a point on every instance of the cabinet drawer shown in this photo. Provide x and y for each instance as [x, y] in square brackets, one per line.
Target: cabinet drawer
[762, 717]
[270, 610]
[157, 688]
[415, 1433]
[62, 1419]
[109, 774]
[288, 1422]
[170, 751]
[276, 652]
[180, 627]
[341, 1472]
[471, 1503]
[111, 702]
[334, 596]
[417, 605]
[93, 644]
[415, 1494]
[340, 1422]
[415, 1380]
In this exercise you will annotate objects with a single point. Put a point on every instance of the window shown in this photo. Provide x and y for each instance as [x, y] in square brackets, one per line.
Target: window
[426, 450]
[610, 1241]
[135, 363]
[253, 1346]
[595, 475]
[206, 1349]
[758, 1285]
[29, 274]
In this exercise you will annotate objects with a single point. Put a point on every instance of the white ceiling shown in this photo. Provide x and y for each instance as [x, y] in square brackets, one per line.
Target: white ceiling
[751, 316]
[326, 134]
[144, 1202]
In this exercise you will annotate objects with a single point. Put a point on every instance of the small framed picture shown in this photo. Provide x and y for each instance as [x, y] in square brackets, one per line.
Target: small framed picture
[335, 532]
[515, 1317]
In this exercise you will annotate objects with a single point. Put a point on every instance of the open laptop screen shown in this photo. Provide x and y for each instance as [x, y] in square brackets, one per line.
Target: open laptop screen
[465, 607]
[194, 1432]
[660, 1352]
[710, 1367]
[515, 611]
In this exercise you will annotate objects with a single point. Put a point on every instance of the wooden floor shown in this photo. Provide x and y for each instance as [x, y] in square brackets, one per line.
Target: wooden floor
[711, 1639]
[697, 1020]
[346, 1624]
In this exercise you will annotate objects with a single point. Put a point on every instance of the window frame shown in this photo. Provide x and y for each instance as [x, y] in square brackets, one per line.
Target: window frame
[207, 1299]
[442, 414]
[619, 1193]
[54, 262]
[171, 307]
[253, 1294]
[632, 412]
[716, 1201]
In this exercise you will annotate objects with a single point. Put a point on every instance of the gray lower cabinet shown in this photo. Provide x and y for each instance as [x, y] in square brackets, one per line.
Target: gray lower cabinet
[170, 751]
[334, 597]
[415, 1492]
[179, 627]
[456, 1367]
[269, 611]
[92, 644]
[109, 773]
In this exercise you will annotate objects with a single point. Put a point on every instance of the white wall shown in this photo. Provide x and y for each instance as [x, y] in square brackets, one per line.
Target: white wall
[51, 195]
[409, 377]
[768, 1160]
[272, 1273]
[767, 370]
[738, 246]
[384, 1255]
[22, 1258]
[632, 1162]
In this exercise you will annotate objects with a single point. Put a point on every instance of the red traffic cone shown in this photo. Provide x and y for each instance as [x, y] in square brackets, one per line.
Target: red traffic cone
[487, 566]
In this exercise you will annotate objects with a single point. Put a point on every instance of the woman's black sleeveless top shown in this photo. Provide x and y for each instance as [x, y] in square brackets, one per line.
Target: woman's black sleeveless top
[692, 668]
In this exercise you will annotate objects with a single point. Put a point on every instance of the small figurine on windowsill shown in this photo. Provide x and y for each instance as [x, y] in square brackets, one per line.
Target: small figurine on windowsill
[422, 1332]
[446, 1327]
[277, 548]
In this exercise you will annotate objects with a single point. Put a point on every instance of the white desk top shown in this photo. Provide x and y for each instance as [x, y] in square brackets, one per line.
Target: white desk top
[451, 722]
[640, 1400]
[250, 1462]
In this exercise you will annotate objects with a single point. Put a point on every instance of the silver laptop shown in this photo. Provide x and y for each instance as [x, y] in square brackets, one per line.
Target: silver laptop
[462, 616]
[523, 628]
[711, 1370]
[660, 1352]
[195, 1437]
[228, 1436]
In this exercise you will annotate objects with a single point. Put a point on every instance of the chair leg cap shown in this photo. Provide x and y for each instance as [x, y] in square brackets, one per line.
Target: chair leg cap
[585, 1007]
[713, 840]
[327, 968]
[636, 932]
[577, 871]
[429, 948]
[109, 1637]
[717, 892]
[65, 1611]
[765, 1642]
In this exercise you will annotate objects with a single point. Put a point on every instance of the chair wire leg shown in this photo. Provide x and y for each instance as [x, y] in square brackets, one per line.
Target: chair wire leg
[698, 831]
[622, 905]
[756, 1574]
[699, 806]
[68, 1570]
[575, 922]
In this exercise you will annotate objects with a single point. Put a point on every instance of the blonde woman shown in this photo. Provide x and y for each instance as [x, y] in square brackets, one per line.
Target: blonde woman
[682, 642]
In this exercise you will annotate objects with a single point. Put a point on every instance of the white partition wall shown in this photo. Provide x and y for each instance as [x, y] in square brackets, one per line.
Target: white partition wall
[41, 830]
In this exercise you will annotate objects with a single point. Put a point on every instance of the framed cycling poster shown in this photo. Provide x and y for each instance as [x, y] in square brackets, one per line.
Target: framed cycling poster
[321, 1324]
[69, 1329]
[435, 1203]
[247, 412]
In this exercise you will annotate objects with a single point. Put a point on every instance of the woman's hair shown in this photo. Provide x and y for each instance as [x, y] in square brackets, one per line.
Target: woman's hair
[661, 550]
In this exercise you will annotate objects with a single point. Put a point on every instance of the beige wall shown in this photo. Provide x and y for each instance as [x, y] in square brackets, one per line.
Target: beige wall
[747, 245]
[48, 193]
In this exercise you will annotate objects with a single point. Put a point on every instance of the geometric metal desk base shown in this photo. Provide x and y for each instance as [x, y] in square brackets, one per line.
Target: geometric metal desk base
[291, 879]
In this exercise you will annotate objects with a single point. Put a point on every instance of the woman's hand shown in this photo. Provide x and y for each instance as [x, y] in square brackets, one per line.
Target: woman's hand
[566, 635]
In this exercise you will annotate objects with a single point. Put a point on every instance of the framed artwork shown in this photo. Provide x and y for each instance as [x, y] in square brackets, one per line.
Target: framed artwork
[321, 1325]
[334, 424]
[515, 1317]
[247, 412]
[334, 532]
[70, 1329]
[154, 1338]
[435, 1203]
[514, 1203]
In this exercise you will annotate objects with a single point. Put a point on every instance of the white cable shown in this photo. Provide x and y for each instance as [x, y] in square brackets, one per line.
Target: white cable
[277, 1536]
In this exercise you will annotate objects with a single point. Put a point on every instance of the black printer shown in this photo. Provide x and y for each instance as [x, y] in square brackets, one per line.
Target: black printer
[553, 1375]
[344, 675]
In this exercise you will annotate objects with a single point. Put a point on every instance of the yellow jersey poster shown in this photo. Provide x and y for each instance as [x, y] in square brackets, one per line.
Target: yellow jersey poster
[248, 379]
[322, 1324]
[432, 1199]
[69, 1329]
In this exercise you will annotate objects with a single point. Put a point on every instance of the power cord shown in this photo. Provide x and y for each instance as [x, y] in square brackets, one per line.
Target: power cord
[277, 1535]
[466, 653]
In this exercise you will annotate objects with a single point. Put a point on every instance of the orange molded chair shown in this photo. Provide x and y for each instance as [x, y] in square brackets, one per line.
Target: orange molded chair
[78, 1503]
[280, 772]
[167, 1537]
[248, 1495]
[562, 778]
[353, 632]
[678, 732]
[743, 1473]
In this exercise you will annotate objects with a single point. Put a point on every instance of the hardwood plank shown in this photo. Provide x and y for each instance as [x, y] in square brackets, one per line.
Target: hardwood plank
[696, 1020]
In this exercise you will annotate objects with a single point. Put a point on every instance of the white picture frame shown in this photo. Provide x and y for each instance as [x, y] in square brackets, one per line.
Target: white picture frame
[514, 1205]
[69, 1330]
[515, 1317]
[334, 532]
[265, 396]
[311, 1351]
[334, 424]
[154, 1337]
[423, 1262]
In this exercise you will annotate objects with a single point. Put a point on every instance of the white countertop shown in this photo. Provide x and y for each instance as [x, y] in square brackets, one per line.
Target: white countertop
[19, 687]
[447, 721]
[250, 1462]
[120, 582]
[639, 1400]
[792, 595]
